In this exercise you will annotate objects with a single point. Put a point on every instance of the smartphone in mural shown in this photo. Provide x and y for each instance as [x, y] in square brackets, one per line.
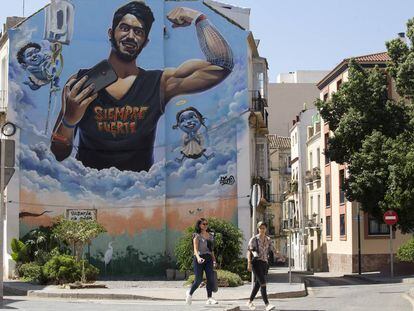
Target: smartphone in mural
[102, 75]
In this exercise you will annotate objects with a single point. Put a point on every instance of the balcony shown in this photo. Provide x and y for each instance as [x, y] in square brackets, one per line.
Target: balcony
[293, 185]
[258, 106]
[3, 100]
[308, 177]
[316, 173]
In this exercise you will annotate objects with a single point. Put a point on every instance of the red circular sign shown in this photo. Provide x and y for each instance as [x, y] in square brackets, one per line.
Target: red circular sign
[390, 217]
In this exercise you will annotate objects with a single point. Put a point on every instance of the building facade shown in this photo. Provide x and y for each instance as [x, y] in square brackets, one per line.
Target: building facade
[313, 181]
[288, 95]
[340, 227]
[295, 201]
[280, 170]
[207, 144]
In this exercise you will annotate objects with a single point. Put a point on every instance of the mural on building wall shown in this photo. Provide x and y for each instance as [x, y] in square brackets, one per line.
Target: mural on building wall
[132, 110]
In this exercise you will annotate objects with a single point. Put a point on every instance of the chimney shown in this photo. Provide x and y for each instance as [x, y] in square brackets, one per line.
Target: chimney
[401, 36]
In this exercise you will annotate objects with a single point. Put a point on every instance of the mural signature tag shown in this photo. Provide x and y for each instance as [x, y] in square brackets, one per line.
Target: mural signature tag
[227, 180]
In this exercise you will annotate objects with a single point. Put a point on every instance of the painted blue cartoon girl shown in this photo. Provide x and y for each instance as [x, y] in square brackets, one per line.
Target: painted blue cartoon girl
[189, 121]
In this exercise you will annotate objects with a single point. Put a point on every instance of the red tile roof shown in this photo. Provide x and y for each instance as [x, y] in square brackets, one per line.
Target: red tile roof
[374, 58]
[278, 142]
[368, 60]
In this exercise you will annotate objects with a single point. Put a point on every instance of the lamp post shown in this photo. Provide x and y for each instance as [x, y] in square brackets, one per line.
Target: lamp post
[8, 129]
[254, 201]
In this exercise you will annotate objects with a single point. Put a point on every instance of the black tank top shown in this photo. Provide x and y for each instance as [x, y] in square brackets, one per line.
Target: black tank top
[121, 133]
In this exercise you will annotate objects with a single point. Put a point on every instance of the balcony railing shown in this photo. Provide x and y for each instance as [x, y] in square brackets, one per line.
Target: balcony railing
[258, 105]
[293, 186]
[316, 173]
[308, 177]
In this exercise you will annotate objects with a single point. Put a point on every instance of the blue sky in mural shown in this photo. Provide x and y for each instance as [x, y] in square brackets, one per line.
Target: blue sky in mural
[304, 34]
[222, 106]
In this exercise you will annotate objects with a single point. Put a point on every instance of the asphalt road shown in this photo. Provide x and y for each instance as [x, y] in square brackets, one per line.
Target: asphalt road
[324, 294]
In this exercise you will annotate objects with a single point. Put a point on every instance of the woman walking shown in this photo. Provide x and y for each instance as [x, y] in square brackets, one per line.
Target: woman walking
[258, 249]
[203, 260]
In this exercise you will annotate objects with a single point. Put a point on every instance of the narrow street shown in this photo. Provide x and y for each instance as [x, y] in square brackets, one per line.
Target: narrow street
[325, 294]
[338, 293]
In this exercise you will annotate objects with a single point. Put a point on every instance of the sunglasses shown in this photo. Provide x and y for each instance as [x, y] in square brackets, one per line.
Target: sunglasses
[205, 223]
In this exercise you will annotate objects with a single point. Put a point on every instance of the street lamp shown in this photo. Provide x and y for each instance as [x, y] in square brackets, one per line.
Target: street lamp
[8, 129]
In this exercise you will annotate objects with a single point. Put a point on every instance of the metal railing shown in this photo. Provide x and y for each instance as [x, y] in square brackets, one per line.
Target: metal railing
[258, 105]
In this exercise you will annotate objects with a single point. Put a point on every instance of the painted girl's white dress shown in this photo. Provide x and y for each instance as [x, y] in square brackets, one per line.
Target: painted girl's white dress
[193, 149]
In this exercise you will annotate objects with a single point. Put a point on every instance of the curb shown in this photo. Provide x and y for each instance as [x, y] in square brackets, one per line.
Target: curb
[14, 291]
[408, 280]
[363, 278]
[98, 296]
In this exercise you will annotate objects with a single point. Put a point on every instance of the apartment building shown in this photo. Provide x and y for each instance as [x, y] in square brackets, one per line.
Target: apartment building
[280, 174]
[313, 181]
[294, 205]
[340, 217]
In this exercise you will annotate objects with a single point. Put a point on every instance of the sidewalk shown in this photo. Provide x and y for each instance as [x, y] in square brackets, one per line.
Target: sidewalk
[277, 287]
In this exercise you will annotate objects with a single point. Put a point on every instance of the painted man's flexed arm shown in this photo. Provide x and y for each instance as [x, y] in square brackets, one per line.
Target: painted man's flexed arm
[198, 75]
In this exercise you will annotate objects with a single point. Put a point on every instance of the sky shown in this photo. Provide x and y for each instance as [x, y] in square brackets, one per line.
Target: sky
[302, 34]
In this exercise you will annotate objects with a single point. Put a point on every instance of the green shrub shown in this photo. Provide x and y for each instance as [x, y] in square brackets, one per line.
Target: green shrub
[227, 245]
[19, 251]
[62, 269]
[31, 272]
[41, 242]
[406, 251]
[225, 279]
[240, 268]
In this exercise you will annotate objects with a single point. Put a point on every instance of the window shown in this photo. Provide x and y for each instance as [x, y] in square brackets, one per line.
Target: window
[328, 190]
[328, 226]
[326, 148]
[341, 186]
[376, 227]
[325, 96]
[319, 206]
[342, 225]
[310, 160]
[311, 205]
[338, 84]
[318, 157]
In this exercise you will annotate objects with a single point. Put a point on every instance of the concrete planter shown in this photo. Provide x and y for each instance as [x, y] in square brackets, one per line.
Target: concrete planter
[170, 274]
[179, 275]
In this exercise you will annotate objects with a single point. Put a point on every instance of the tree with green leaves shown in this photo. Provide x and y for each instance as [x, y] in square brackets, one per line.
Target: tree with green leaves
[77, 233]
[373, 133]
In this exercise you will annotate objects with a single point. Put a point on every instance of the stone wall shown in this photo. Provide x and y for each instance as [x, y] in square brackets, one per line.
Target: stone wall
[346, 263]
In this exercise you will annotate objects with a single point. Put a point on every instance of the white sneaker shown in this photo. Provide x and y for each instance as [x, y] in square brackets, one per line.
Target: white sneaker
[269, 307]
[211, 301]
[251, 305]
[188, 298]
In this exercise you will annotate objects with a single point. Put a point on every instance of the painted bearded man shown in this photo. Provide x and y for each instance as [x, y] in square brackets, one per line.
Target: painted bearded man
[117, 125]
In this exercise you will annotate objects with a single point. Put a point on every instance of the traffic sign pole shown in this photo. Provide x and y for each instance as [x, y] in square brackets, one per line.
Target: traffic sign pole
[391, 218]
[254, 201]
[2, 159]
[391, 254]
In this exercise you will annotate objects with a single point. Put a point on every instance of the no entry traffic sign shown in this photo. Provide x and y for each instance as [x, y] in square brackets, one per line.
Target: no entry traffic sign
[390, 218]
